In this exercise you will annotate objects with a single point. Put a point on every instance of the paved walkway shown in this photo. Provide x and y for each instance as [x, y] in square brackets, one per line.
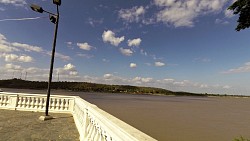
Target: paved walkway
[25, 126]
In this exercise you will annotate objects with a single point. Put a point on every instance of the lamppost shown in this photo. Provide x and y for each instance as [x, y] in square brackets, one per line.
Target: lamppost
[54, 18]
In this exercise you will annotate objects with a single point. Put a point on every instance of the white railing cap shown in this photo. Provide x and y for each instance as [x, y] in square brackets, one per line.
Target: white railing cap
[39, 95]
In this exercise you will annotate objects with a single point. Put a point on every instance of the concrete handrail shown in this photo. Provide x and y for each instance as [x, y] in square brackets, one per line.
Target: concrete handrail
[93, 124]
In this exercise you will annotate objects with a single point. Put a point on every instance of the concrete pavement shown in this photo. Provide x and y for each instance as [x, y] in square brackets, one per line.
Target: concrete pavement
[26, 126]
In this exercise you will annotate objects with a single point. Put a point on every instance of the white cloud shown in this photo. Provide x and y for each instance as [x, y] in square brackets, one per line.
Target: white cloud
[59, 55]
[63, 57]
[28, 47]
[6, 48]
[189, 86]
[183, 13]
[10, 57]
[2, 38]
[5, 45]
[155, 57]
[108, 79]
[69, 73]
[84, 46]
[133, 65]
[108, 76]
[146, 80]
[140, 80]
[143, 52]
[203, 86]
[13, 67]
[85, 55]
[74, 73]
[16, 58]
[220, 21]
[127, 52]
[136, 79]
[34, 70]
[184, 83]
[14, 2]
[25, 58]
[242, 69]
[226, 87]
[134, 42]
[105, 60]
[148, 21]
[2, 9]
[159, 64]
[69, 45]
[94, 22]
[229, 13]
[168, 80]
[69, 67]
[109, 36]
[164, 2]
[62, 71]
[132, 15]
[204, 60]
[21, 19]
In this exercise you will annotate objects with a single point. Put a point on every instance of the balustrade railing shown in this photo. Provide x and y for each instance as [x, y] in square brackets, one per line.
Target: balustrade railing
[92, 123]
[36, 102]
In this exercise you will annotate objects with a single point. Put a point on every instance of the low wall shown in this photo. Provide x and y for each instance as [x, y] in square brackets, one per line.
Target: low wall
[92, 123]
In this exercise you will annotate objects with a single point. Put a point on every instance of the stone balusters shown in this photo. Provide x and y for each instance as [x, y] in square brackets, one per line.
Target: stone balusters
[36, 102]
[87, 122]
[4, 100]
[59, 104]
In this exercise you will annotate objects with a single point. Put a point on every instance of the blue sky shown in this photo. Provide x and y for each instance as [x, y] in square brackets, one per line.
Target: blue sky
[178, 45]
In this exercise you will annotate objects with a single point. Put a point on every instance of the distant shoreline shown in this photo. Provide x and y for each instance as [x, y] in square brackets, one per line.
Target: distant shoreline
[101, 88]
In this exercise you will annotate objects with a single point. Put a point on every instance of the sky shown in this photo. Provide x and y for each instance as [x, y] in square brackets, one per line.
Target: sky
[179, 45]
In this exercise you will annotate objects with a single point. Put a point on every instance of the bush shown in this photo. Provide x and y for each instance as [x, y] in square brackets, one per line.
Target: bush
[241, 139]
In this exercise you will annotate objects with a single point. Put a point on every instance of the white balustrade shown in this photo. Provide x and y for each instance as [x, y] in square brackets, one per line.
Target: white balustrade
[92, 123]
[36, 102]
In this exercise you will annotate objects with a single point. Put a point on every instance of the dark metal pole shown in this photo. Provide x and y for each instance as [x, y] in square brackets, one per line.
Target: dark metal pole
[52, 63]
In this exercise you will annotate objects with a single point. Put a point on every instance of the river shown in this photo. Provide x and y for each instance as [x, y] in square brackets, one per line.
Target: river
[174, 118]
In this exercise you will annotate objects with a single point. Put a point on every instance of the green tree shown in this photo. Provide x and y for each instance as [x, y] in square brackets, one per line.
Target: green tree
[242, 7]
[241, 139]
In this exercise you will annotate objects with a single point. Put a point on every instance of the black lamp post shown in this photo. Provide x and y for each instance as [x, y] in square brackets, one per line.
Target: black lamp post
[54, 18]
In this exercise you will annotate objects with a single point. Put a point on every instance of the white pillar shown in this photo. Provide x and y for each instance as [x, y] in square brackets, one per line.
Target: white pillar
[13, 102]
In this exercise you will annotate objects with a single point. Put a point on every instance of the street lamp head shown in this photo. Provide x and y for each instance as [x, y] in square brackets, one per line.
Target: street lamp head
[53, 19]
[57, 2]
[36, 8]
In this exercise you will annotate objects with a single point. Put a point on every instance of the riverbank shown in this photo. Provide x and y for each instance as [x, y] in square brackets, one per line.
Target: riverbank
[97, 88]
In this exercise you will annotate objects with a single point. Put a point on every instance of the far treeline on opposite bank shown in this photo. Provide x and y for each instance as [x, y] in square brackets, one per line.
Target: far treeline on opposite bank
[93, 87]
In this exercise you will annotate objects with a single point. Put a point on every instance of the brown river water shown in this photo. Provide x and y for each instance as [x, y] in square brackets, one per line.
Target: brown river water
[174, 118]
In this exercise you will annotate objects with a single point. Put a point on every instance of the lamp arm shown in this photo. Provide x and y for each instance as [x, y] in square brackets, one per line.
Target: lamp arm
[50, 13]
